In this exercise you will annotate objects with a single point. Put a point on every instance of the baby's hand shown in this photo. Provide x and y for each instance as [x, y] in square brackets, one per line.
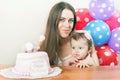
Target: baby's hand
[73, 61]
[82, 64]
[69, 61]
[85, 63]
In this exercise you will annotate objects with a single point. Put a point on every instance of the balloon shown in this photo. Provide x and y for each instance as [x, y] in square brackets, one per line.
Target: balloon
[114, 20]
[114, 41]
[99, 31]
[106, 56]
[101, 9]
[83, 17]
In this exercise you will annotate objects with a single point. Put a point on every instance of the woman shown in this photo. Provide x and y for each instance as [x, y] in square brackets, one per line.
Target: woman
[61, 23]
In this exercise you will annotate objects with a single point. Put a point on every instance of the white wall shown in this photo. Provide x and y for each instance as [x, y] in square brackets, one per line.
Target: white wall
[24, 20]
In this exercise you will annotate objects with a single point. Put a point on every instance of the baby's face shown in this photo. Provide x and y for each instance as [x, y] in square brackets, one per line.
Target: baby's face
[79, 48]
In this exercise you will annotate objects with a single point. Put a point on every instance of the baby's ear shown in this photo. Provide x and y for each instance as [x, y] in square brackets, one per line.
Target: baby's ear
[90, 50]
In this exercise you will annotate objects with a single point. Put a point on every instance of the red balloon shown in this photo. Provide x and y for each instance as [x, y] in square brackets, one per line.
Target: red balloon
[83, 17]
[106, 56]
[114, 20]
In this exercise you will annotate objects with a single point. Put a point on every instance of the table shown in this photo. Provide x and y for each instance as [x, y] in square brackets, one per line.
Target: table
[73, 73]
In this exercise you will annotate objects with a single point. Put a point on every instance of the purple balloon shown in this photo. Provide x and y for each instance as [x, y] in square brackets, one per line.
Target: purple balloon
[101, 9]
[114, 41]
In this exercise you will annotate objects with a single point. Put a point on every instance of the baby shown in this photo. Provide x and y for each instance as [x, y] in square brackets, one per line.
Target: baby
[82, 50]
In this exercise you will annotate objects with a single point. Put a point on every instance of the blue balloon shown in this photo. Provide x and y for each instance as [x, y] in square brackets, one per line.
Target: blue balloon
[99, 31]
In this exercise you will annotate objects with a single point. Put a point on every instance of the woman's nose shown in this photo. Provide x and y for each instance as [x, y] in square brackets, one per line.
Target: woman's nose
[66, 23]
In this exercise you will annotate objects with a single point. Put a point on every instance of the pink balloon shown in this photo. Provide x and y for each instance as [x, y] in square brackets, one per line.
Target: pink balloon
[114, 20]
[83, 17]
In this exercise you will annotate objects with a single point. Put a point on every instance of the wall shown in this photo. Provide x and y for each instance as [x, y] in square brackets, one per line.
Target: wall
[24, 20]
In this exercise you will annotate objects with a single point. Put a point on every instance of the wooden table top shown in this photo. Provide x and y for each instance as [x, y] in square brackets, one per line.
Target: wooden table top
[73, 73]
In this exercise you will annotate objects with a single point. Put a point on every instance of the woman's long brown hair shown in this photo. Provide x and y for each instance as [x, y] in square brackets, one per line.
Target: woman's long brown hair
[52, 41]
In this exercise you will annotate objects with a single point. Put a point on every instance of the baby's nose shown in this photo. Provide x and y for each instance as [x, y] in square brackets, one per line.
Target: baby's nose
[76, 54]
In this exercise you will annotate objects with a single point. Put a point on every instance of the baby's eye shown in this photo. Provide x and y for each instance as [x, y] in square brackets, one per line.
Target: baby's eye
[73, 47]
[80, 47]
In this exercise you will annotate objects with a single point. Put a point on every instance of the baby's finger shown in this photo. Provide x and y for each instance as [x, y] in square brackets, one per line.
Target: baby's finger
[86, 66]
[79, 65]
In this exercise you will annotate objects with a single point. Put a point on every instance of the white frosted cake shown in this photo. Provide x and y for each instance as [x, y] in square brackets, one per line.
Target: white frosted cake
[32, 64]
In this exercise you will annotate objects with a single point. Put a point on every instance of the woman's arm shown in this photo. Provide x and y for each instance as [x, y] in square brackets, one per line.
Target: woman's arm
[95, 59]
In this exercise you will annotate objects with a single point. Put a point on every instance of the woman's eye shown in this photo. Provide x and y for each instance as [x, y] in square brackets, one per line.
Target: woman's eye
[71, 21]
[61, 19]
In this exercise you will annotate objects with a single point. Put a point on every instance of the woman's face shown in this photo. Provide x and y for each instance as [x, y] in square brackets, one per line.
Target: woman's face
[66, 22]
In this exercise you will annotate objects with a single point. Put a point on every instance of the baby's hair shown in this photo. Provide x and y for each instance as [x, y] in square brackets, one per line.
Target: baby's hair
[77, 35]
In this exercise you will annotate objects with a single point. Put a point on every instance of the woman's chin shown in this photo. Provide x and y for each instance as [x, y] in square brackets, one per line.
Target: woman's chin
[65, 36]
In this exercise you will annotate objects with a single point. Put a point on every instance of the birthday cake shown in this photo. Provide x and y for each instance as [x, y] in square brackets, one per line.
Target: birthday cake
[30, 64]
